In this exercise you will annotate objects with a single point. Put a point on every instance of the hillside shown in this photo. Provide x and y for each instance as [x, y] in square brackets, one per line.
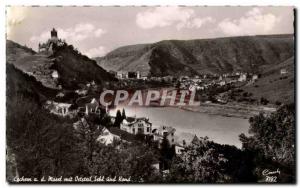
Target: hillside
[75, 69]
[274, 86]
[15, 51]
[20, 85]
[72, 67]
[175, 57]
[32, 63]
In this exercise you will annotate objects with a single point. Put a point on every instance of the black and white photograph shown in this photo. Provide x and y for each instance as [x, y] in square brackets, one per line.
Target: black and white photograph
[150, 95]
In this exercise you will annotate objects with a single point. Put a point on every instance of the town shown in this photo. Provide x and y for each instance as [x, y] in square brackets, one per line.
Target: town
[127, 129]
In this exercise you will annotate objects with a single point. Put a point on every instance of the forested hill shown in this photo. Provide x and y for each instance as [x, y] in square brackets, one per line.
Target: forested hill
[220, 55]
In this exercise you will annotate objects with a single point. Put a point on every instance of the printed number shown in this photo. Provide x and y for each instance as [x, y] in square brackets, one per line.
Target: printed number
[271, 178]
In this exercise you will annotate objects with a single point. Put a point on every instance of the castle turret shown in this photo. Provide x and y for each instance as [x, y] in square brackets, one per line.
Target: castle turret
[53, 33]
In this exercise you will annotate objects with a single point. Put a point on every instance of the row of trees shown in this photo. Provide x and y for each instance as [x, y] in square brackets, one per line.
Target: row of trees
[119, 118]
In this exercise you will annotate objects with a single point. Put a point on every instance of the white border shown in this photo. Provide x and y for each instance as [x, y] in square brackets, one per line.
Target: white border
[3, 183]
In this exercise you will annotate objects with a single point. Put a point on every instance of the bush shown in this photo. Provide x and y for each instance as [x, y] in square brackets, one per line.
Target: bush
[264, 101]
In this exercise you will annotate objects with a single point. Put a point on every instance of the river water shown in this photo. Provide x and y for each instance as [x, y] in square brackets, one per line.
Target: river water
[220, 129]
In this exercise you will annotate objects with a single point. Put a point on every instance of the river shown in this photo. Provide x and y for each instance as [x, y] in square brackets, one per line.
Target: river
[220, 129]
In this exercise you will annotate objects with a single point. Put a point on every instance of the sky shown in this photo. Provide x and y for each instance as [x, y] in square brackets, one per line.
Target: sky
[95, 31]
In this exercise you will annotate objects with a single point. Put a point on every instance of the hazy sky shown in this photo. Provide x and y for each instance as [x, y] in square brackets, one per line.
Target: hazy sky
[97, 30]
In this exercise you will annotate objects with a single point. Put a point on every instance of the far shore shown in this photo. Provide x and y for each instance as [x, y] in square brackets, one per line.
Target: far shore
[229, 110]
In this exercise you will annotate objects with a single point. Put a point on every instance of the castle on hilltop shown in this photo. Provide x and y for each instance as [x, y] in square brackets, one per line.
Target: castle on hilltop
[52, 42]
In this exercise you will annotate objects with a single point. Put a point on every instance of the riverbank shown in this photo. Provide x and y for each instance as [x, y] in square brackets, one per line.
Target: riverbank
[229, 110]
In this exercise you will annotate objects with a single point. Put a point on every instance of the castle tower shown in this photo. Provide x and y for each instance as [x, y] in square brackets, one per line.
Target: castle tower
[53, 33]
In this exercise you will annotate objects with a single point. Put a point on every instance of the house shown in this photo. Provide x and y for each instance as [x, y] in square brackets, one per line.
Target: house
[124, 136]
[106, 137]
[143, 76]
[61, 109]
[164, 131]
[179, 149]
[243, 77]
[122, 75]
[92, 107]
[132, 75]
[60, 95]
[119, 75]
[156, 167]
[138, 75]
[135, 125]
[254, 77]
[81, 91]
[188, 141]
[222, 83]
[283, 71]
[54, 74]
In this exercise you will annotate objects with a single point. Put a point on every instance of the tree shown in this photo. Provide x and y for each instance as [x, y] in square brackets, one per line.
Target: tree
[167, 153]
[123, 114]
[264, 101]
[118, 119]
[274, 135]
[199, 163]
[272, 140]
[43, 144]
[134, 161]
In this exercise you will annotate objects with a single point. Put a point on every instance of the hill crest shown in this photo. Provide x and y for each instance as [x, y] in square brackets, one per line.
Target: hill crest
[201, 56]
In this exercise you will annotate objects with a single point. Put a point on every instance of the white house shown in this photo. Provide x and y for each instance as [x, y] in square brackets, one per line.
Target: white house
[283, 71]
[61, 109]
[243, 77]
[135, 125]
[54, 74]
[92, 107]
[222, 83]
[122, 75]
[106, 137]
[81, 91]
[254, 77]
[178, 149]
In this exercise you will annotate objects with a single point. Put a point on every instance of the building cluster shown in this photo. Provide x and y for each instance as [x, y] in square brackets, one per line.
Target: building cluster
[130, 125]
[142, 126]
[129, 75]
[207, 81]
[51, 42]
